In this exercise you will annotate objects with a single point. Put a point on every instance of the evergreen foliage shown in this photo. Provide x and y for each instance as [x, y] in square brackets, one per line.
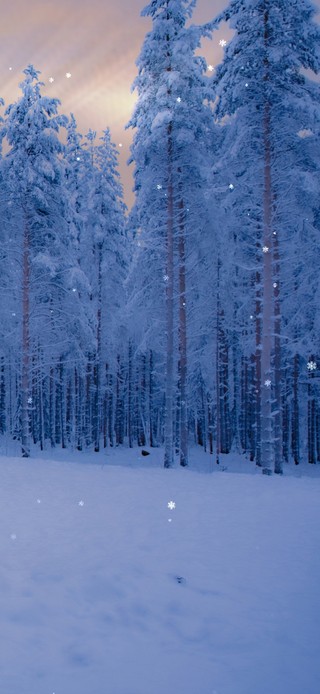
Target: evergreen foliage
[196, 317]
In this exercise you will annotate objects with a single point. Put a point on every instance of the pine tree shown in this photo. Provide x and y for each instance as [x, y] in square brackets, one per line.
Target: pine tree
[171, 120]
[35, 174]
[107, 218]
[263, 99]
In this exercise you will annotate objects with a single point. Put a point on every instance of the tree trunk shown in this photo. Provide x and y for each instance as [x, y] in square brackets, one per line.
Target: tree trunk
[168, 434]
[277, 360]
[267, 444]
[218, 405]
[257, 375]
[97, 367]
[182, 340]
[311, 418]
[295, 427]
[25, 425]
[130, 395]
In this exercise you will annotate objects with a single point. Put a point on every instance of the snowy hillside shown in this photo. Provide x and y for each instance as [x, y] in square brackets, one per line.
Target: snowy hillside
[106, 590]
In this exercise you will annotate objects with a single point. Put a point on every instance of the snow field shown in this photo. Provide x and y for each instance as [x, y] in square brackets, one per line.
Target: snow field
[89, 597]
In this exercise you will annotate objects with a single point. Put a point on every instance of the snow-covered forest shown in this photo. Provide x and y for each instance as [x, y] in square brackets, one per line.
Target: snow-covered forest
[193, 318]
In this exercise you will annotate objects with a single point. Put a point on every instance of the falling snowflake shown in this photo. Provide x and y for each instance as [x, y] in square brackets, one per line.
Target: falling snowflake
[311, 365]
[74, 289]
[165, 278]
[68, 75]
[10, 68]
[13, 536]
[231, 186]
[267, 383]
[159, 186]
[171, 505]
[81, 503]
[251, 317]
[274, 285]
[222, 43]
[51, 79]
[265, 249]
[169, 520]
[120, 144]
[246, 84]
[179, 99]
[38, 501]
[78, 159]
[30, 401]
[210, 68]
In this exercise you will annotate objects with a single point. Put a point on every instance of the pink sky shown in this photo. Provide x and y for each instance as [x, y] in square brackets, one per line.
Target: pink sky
[98, 43]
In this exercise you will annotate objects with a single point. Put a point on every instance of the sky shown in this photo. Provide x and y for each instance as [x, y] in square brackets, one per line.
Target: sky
[97, 43]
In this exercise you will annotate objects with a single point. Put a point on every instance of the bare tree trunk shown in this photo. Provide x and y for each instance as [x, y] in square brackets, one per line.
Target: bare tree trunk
[25, 425]
[257, 379]
[277, 360]
[235, 429]
[295, 430]
[210, 424]
[97, 366]
[267, 445]
[119, 405]
[63, 412]
[168, 435]
[151, 411]
[130, 395]
[312, 454]
[183, 340]
[218, 405]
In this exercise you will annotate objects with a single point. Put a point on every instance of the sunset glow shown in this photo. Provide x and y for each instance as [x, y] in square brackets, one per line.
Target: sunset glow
[95, 43]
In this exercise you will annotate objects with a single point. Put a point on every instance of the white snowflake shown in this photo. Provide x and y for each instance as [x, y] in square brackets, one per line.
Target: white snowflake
[274, 285]
[38, 501]
[311, 365]
[179, 99]
[265, 249]
[81, 503]
[78, 158]
[210, 68]
[13, 536]
[246, 84]
[171, 505]
[159, 186]
[74, 289]
[68, 75]
[30, 401]
[169, 520]
[51, 79]
[120, 144]
[267, 383]
[10, 68]
[165, 278]
[222, 43]
[231, 186]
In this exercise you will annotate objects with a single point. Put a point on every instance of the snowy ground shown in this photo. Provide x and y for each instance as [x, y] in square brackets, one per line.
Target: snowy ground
[105, 590]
